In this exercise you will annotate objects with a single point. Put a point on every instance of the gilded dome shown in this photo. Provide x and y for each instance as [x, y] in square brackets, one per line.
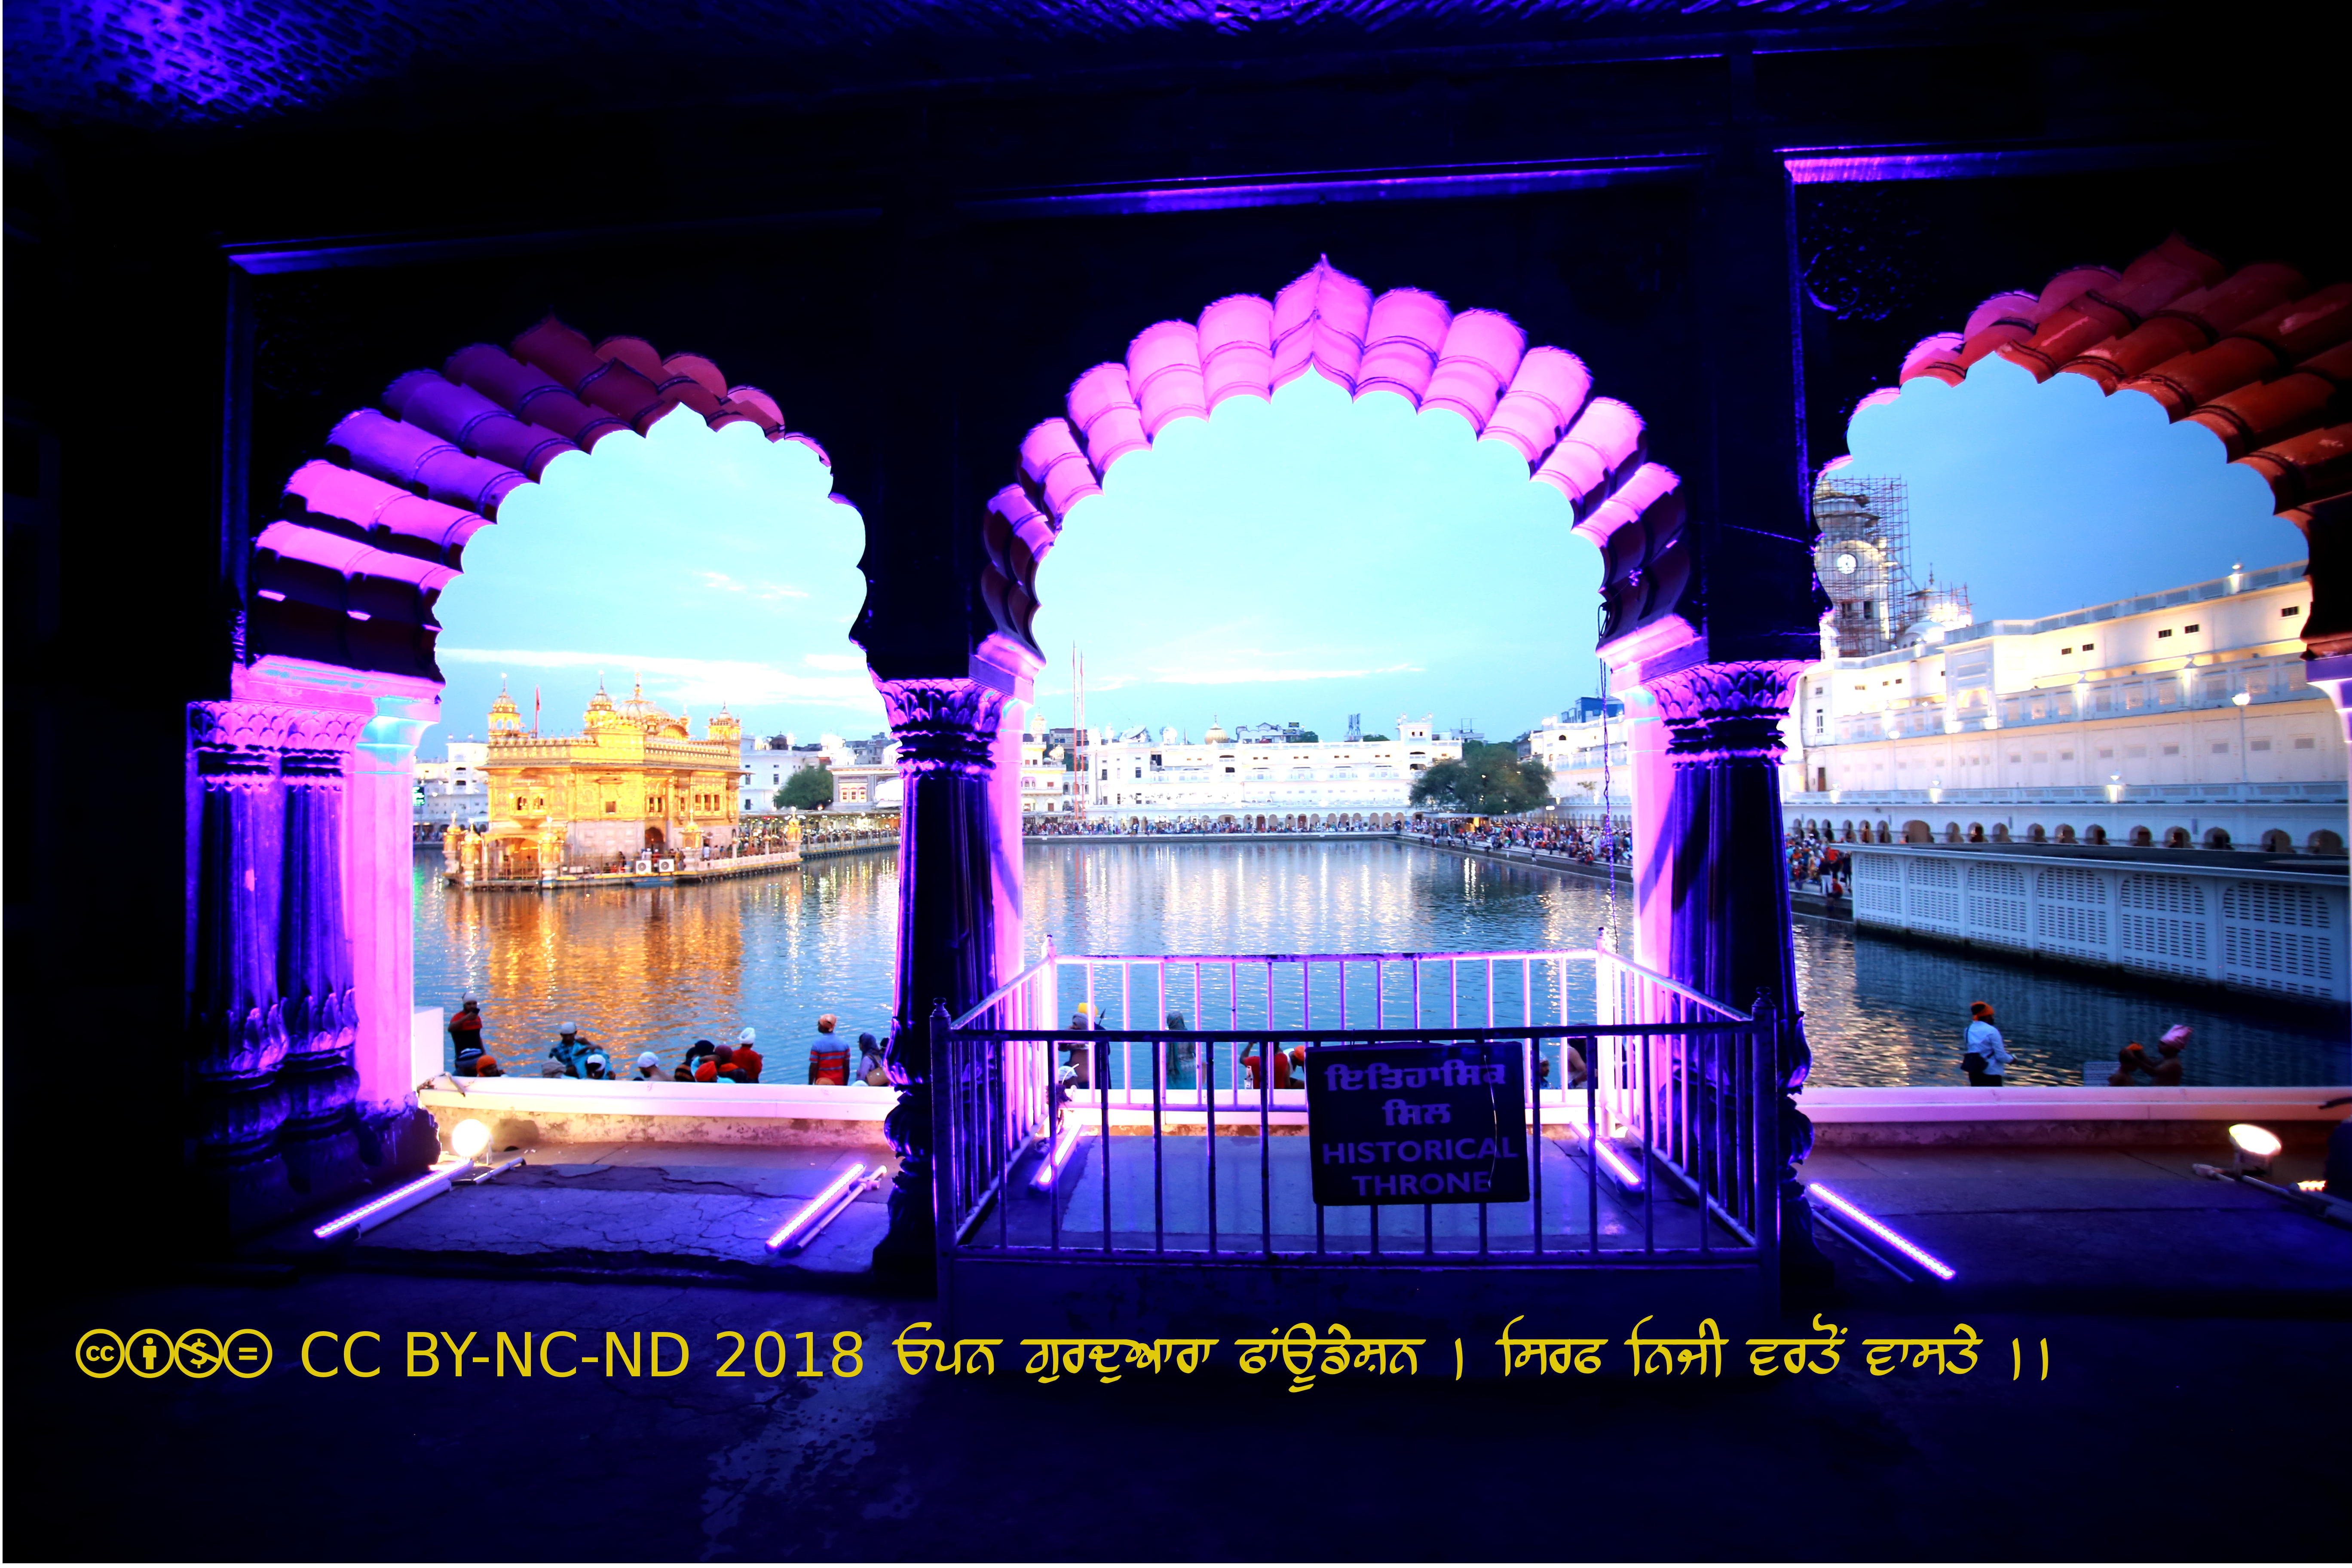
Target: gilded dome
[506, 719]
[599, 714]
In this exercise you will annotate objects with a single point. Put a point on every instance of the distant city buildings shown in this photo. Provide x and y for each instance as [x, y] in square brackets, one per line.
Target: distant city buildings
[1134, 777]
[867, 780]
[1584, 747]
[454, 790]
[2177, 718]
[1048, 777]
[767, 762]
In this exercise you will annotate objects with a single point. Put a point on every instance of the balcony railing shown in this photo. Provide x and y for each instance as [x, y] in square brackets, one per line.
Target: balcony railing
[2322, 792]
[1160, 1124]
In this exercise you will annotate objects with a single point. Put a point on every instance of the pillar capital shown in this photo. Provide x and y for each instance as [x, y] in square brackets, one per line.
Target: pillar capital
[944, 725]
[1723, 712]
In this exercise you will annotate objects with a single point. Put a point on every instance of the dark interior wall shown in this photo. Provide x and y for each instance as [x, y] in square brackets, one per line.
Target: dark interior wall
[916, 341]
[813, 318]
[1887, 264]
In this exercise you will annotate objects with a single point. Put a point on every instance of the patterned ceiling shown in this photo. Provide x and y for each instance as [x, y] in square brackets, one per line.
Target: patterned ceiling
[162, 62]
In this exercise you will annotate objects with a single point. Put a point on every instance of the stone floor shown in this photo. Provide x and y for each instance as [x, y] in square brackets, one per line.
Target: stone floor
[2028, 1226]
[684, 1209]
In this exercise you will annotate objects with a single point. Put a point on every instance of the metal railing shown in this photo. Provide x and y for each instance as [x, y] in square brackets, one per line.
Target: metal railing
[1649, 1109]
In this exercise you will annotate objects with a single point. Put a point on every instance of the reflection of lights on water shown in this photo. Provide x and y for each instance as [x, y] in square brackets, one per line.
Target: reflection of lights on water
[662, 968]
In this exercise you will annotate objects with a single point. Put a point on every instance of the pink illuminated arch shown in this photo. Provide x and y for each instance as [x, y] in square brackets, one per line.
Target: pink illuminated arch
[1474, 362]
[369, 534]
[2254, 354]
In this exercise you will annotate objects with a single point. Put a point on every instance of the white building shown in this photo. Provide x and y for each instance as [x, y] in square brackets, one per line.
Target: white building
[1139, 779]
[1586, 754]
[869, 785]
[768, 767]
[455, 789]
[1048, 783]
[2182, 718]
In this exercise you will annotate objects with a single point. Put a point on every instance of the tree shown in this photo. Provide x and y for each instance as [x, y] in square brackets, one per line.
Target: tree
[809, 789]
[1372, 738]
[1488, 781]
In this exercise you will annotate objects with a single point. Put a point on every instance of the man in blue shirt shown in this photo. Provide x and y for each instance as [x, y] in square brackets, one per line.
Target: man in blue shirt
[1987, 1056]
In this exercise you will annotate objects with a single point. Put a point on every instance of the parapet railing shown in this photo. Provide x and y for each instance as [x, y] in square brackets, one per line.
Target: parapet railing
[1163, 1116]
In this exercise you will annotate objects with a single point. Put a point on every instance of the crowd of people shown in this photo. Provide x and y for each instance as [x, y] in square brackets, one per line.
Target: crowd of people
[1575, 841]
[1818, 863]
[575, 1056]
[1130, 828]
[1254, 1061]
[1985, 1056]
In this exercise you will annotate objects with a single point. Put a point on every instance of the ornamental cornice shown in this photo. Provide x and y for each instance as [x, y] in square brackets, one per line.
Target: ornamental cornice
[271, 727]
[944, 725]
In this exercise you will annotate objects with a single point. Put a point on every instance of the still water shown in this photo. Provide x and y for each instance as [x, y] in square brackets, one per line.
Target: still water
[657, 968]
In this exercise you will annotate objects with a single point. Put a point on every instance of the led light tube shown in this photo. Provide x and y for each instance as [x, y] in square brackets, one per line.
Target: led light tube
[1050, 1171]
[391, 1203]
[1901, 1243]
[1607, 1153]
[815, 1207]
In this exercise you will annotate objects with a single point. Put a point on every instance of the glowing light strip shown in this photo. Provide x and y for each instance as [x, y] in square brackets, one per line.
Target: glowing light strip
[1626, 1175]
[1901, 1243]
[815, 1206]
[1051, 1171]
[397, 1195]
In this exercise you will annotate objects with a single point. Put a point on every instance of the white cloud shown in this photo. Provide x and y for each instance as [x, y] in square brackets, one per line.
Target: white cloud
[740, 683]
[1258, 674]
[726, 584]
[834, 660]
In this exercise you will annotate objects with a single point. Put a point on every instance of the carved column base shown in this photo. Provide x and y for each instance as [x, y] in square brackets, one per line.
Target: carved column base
[1718, 851]
[947, 937]
[908, 1252]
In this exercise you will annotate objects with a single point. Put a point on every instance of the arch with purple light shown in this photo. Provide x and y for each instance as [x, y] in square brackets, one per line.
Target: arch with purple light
[300, 974]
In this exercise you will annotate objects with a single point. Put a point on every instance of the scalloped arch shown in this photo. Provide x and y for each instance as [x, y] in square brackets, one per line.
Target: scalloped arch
[1476, 362]
[367, 536]
[2256, 356]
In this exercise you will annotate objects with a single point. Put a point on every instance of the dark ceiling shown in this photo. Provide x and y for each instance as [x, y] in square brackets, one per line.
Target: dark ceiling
[149, 62]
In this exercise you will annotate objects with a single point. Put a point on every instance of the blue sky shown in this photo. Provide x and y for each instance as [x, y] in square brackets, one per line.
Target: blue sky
[709, 562]
[2046, 496]
[1307, 558]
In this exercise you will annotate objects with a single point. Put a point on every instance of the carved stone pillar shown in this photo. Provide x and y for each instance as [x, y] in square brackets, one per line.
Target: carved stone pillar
[946, 731]
[237, 1032]
[379, 870]
[314, 959]
[1717, 864]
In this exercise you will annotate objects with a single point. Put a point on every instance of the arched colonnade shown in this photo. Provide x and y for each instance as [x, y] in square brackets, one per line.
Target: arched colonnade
[2118, 831]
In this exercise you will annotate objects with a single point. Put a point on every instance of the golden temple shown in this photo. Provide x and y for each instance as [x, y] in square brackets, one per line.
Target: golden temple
[635, 781]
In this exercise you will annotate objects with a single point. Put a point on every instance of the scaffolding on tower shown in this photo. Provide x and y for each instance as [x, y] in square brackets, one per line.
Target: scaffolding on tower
[1862, 555]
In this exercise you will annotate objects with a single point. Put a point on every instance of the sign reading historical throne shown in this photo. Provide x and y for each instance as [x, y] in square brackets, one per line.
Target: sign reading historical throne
[1418, 1124]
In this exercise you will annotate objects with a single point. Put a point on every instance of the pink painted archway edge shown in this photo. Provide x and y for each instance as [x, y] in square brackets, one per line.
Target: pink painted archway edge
[2254, 354]
[369, 534]
[1408, 341]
